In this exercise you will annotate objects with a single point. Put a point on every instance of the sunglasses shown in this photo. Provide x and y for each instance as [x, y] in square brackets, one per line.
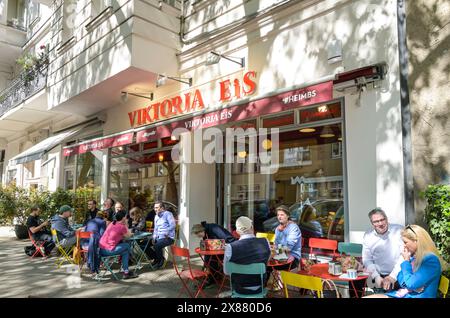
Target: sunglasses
[409, 227]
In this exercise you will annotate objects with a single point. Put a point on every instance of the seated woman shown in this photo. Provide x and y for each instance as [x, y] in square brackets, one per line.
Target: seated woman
[309, 221]
[421, 269]
[136, 222]
[111, 242]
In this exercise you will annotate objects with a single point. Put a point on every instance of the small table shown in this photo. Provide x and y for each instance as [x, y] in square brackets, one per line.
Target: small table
[77, 226]
[138, 252]
[321, 270]
[275, 264]
[218, 255]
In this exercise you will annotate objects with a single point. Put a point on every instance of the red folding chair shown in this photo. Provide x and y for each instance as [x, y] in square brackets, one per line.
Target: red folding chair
[323, 244]
[192, 279]
[39, 245]
[83, 251]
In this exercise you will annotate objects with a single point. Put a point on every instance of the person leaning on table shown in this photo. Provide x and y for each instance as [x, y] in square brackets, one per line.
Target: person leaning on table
[381, 251]
[421, 268]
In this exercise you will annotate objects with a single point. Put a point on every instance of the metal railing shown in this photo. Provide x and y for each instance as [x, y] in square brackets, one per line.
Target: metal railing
[23, 87]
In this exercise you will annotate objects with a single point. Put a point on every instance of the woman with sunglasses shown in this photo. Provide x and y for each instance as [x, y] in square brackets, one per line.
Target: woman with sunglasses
[421, 267]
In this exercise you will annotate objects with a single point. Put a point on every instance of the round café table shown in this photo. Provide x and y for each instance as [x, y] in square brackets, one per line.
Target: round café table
[217, 273]
[321, 270]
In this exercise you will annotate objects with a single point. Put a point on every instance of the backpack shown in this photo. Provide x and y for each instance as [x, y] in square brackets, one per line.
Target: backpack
[30, 250]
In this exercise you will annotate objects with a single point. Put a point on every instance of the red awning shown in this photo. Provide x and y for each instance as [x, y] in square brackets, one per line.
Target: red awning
[310, 95]
[99, 143]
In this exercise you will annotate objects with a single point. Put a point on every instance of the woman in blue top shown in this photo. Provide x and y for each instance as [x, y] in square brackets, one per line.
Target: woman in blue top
[422, 266]
[288, 234]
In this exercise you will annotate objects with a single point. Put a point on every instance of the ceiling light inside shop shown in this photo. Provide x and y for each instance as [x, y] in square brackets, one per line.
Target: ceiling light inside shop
[267, 144]
[340, 138]
[307, 130]
[242, 154]
[327, 132]
[161, 157]
[173, 137]
[322, 109]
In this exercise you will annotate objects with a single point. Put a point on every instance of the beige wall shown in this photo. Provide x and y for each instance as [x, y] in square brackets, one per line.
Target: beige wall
[428, 41]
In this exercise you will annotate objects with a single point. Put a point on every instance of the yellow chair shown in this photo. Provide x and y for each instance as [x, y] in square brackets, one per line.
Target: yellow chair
[269, 236]
[301, 281]
[443, 286]
[149, 225]
[64, 252]
[167, 249]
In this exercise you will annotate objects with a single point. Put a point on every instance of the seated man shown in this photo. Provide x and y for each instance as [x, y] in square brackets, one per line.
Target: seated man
[97, 226]
[247, 250]
[39, 231]
[212, 231]
[60, 222]
[163, 234]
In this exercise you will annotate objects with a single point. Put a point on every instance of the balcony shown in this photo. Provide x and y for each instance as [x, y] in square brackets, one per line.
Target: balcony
[22, 88]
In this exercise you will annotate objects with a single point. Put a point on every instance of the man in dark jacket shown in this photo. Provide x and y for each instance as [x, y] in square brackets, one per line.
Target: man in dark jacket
[39, 229]
[91, 213]
[212, 231]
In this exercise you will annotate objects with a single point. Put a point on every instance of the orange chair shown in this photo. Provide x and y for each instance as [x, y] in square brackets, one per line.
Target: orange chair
[188, 275]
[38, 245]
[323, 244]
[83, 251]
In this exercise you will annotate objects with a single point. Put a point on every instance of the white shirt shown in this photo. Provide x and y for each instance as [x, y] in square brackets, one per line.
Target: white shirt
[382, 252]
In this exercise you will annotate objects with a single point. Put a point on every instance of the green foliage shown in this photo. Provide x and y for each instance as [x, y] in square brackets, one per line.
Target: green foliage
[81, 196]
[16, 202]
[437, 216]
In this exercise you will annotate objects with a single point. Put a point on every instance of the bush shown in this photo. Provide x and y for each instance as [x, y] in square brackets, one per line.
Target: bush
[437, 216]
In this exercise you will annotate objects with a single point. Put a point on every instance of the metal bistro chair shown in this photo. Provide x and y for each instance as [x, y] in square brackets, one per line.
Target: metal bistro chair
[443, 286]
[323, 244]
[269, 236]
[302, 281]
[83, 251]
[352, 249]
[167, 249]
[64, 252]
[250, 269]
[39, 245]
[192, 279]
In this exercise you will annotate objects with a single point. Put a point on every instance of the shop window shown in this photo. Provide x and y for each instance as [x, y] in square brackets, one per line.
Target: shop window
[28, 170]
[69, 180]
[278, 121]
[336, 150]
[320, 112]
[89, 169]
[132, 148]
[11, 176]
[310, 173]
[150, 145]
[17, 14]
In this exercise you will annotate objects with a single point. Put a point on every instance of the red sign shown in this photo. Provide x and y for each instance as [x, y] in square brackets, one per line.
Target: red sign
[115, 141]
[315, 94]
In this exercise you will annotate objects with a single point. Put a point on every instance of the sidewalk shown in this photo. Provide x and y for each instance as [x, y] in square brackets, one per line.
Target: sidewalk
[37, 277]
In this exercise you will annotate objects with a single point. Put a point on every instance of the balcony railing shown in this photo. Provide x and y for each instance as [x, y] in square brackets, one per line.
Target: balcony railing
[23, 87]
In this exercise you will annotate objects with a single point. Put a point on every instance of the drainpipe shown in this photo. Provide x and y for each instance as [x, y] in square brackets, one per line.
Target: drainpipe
[410, 215]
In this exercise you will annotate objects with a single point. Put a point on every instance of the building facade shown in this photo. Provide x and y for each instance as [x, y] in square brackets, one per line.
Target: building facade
[321, 76]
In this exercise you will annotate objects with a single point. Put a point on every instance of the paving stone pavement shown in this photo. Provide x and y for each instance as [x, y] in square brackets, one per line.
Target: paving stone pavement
[37, 277]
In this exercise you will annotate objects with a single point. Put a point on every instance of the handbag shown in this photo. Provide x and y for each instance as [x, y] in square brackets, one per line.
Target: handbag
[329, 289]
[76, 255]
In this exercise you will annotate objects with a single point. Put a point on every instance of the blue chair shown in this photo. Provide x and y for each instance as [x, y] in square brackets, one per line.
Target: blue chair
[250, 269]
[352, 249]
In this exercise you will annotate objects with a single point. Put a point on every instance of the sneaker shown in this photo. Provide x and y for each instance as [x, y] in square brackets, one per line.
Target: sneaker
[129, 275]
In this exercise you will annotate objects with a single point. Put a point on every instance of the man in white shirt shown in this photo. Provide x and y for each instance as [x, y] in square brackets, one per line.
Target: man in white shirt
[381, 250]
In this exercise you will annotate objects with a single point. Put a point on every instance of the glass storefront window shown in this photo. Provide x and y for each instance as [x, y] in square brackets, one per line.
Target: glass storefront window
[141, 179]
[278, 121]
[89, 169]
[310, 175]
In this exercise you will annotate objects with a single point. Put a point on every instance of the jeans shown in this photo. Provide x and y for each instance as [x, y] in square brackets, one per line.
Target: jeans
[158, 248]
[122, 249]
